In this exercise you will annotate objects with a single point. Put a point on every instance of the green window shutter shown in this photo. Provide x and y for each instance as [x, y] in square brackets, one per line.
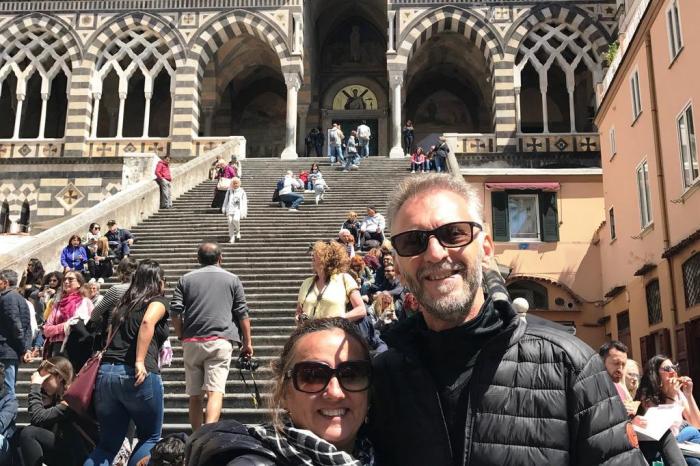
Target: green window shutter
[549, 220]
[499, 213]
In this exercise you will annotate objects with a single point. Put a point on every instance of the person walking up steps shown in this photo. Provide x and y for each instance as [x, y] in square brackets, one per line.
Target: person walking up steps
[236, 208]
[209, 313]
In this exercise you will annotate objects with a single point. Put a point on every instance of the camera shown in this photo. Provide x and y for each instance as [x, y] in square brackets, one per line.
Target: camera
[247, 363]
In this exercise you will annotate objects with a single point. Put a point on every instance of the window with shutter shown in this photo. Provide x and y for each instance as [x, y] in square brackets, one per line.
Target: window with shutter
[524, 216]
[499, 213]
[548, 216]
[653, 295]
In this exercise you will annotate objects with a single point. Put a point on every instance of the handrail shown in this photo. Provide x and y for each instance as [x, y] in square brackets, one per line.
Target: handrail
[127, 207]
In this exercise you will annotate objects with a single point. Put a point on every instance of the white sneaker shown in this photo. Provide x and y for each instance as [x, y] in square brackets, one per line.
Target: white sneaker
[294, 210]
[413, 171]
[354, 167]
[92, 280]
[100, 280]
[317, 199]
[238, 236]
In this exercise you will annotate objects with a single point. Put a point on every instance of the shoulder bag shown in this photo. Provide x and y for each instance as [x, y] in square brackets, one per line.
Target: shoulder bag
[223, 184]
[79, 394]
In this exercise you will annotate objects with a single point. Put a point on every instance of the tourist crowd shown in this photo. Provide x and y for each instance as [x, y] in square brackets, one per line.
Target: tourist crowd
[421, 322]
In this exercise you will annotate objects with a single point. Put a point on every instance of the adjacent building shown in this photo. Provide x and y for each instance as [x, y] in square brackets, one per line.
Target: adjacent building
[650, 243]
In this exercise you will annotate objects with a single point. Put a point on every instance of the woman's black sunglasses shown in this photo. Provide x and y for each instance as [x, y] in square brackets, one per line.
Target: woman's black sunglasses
[313, 377]
[450, 235]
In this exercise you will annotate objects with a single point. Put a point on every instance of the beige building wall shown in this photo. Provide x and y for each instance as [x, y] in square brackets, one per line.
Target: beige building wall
[634, 258]
[570, 268]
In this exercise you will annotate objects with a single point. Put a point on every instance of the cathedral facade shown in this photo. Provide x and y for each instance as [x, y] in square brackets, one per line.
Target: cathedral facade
[85, 83]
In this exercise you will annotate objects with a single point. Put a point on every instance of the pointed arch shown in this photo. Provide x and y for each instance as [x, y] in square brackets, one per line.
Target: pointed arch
[121, 25]
[226, 26]
[450, 18]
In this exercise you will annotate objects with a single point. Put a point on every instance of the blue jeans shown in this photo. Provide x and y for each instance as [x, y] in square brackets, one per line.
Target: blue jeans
[351, 159]
[4, 449]
[689, 434]
[336, 154]
[117, 402]
[10, 374]
[439, 163]
[294, 198]
[364, 148]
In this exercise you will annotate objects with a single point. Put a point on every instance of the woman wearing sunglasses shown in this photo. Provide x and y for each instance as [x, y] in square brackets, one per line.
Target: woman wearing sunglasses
[661, 385]
[71, 307]
[318, 403]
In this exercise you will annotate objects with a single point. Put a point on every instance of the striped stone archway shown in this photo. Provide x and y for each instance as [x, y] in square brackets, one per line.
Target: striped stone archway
[479, 32]
[50, 46]
[202, 48]
[56, 26]
[80, 100]
[574, 17]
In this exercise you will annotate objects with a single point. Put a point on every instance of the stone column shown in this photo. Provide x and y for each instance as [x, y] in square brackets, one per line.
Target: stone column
[79, 110]
[518, 119]
[120, 118]
[97, 96]
[18, 115]
[147, 114]
[301, 130]
[545, 112]
[185, 114]
[571, 88]
[396, 82]
[293, 82]
[298, 38]
[391, 47]
[42, 119]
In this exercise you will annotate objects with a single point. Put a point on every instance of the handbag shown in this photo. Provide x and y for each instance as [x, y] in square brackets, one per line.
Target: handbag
[78, 397]
[223, 184]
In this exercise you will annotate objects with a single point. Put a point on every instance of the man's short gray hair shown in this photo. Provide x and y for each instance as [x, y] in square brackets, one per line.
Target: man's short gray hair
[10, 276]
[414, 185]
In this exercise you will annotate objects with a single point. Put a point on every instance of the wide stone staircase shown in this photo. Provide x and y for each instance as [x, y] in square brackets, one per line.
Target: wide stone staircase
[271, 259]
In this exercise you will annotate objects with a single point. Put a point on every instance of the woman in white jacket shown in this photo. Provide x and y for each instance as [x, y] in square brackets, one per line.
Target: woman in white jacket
[235, 207]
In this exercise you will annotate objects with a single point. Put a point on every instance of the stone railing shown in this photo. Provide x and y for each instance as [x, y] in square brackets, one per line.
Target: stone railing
[26, 148]
[202, 145]
[128, 208]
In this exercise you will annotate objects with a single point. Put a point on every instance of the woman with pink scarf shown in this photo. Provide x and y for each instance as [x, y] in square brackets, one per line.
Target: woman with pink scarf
[71, 307]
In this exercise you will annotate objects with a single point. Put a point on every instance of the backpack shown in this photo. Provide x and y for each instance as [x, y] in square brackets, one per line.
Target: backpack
[333, 136]
[280, 184]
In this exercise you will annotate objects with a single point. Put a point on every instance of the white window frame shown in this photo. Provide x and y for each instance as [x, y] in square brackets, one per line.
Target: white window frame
[675, 32]
[538, 237]
[686, 149]
[644, 194]
[636, 96]
[613, 226]
[613, 142]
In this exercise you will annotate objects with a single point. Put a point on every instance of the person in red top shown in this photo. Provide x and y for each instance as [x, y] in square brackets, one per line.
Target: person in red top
[163, 178]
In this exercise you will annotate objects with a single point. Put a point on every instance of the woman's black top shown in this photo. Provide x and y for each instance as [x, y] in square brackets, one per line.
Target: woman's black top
[122, 350]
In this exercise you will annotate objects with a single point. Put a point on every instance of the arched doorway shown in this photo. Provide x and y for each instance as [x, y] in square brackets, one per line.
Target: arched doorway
[244, 94]
[346, 64]
[448, 89]
[356, 100]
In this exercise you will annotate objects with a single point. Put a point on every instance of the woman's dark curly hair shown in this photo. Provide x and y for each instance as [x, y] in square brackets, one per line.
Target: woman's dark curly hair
[650, 391]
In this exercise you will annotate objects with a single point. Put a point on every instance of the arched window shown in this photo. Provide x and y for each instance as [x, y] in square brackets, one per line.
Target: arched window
[534, 293]
[691, 280]
[555, 69]
[133, 69]
[35, 73]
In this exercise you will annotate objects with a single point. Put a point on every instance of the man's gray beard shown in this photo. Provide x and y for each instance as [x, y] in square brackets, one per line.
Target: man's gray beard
[451, 308]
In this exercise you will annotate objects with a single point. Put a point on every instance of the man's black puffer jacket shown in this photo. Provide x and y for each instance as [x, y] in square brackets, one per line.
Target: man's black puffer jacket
[537, 396]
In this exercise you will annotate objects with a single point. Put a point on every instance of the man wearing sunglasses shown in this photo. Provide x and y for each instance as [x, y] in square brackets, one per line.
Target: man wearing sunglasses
[466, 381]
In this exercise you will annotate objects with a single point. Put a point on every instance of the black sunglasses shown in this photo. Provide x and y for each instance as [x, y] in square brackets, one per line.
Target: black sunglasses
[670, 368]
[450, 235]
[313, 377]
